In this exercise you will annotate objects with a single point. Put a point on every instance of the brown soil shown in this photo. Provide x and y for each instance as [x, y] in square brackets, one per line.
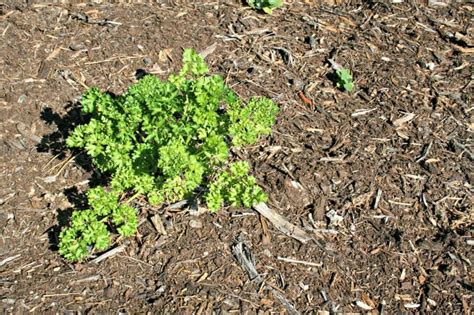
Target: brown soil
[392, 162]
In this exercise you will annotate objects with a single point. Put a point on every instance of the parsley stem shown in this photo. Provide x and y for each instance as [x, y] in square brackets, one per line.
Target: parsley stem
[132, 198]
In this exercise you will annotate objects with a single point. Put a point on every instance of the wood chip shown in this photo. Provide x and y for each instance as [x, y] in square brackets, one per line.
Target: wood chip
[88, 279]
[411, 305]
[377, 198]
[362, 112]
[8, 259]
[426, 151]
[158, 224]
[467, 51]
[25, 132]
[300, 262]
[208, 50]
[363, 306]
[401, 121]
[463, 38]
[282, 224]
[247, 262]
[109, 254]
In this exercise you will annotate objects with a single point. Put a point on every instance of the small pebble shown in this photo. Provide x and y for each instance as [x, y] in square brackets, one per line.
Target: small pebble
[77, 46]
[147, 61]
[430, 66]
[21, 99]
[311, 41]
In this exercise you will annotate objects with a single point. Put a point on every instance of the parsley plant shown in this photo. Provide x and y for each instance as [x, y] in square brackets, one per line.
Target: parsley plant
[164, 139]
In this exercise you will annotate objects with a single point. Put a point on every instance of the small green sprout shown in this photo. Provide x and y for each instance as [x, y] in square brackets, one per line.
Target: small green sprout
[266, 5]
[344, 79]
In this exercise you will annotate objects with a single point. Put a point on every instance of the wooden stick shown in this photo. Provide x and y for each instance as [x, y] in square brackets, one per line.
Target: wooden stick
[282, 224]
[301, 262]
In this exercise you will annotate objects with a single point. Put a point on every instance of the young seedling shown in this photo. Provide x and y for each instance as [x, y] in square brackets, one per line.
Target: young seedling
[163, 140]
[344, 79]
[266, 6]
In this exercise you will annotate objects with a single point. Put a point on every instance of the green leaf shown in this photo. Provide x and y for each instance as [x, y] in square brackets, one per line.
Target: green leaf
[236, 187]
[267, 10]
[193, 63]
[344, 79]
[125, 218]
[247, 123]
[266, 5]
[88, 228]
[70, 247]
[348, 86]
[101, 201]
[275, 3]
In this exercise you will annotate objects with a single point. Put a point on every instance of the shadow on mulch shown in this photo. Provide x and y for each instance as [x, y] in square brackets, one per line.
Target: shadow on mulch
[55, 144]
[332, 76]
[79, 201]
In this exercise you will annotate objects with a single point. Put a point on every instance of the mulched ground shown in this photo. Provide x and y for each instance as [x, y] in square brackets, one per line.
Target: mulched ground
[381, 176]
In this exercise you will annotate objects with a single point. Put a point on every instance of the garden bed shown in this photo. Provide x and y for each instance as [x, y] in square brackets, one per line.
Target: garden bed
[380, 177]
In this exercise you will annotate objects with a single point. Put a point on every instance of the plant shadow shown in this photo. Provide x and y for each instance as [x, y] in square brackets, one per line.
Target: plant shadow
[55, 144]
[332, 76]
[79, 201]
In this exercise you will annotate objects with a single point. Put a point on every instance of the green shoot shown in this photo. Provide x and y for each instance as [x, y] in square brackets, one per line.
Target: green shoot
[344, 79]
[266, 5]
